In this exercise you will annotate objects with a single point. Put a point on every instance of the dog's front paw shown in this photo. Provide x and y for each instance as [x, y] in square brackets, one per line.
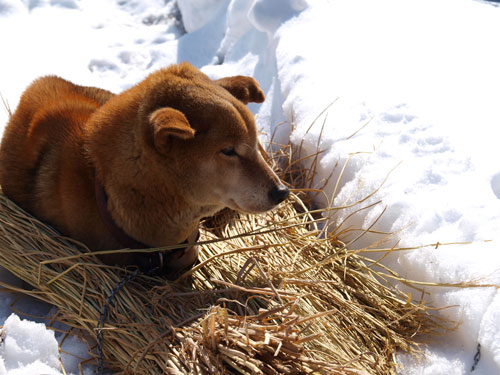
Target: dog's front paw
[246, 89]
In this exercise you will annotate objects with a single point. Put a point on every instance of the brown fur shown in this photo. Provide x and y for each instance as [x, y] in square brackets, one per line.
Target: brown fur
[162, 149]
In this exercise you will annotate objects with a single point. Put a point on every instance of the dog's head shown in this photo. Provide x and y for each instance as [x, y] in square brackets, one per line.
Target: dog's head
[205, 138]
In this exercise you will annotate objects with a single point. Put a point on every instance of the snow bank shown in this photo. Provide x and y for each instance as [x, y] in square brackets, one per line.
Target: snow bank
[412, 104]
[28, 348]
[196, 14]
[415, 88]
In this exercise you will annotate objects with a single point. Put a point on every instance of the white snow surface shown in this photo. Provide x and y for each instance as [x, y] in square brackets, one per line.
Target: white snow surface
[415, 87]
[28, 345]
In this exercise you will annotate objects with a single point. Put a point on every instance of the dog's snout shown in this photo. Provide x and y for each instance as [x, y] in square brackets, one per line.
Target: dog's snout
[279, 193]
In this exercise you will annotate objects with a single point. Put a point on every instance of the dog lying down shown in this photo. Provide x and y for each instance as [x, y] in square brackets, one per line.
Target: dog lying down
[141, 168]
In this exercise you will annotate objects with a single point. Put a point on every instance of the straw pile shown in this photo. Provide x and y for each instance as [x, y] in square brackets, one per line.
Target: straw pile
[269, 296]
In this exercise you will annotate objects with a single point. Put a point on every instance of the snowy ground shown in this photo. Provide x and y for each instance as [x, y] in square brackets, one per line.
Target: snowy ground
[416, 91]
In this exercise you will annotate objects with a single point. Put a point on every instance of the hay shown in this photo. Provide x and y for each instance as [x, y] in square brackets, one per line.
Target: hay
[269, 296]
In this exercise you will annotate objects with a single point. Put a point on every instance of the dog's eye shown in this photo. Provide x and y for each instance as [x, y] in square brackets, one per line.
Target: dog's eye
[229, 151]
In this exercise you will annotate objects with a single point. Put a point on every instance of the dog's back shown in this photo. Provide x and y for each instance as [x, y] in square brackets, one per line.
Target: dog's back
[39, 143]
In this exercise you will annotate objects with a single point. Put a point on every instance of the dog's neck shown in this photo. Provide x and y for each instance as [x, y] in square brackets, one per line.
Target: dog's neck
[152, 263]
[118, 233]
[153, 226]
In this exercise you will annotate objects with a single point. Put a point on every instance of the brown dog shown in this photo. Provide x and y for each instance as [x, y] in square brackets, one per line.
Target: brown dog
[138, 168]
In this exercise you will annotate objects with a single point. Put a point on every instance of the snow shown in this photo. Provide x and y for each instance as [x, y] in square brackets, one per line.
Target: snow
[28, 347]
[196, 14]
[411, 90]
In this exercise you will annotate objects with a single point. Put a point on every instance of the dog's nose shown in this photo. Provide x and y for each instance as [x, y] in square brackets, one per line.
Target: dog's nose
[279, 193]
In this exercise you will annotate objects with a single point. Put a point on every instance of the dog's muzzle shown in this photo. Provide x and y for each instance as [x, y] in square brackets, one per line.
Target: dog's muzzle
[278, 194]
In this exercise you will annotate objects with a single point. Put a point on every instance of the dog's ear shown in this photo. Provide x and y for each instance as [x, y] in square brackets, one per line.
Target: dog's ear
[168, 123]
[245, 89]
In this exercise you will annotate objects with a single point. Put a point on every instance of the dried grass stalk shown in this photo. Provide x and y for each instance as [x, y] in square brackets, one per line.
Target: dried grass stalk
[269, 296]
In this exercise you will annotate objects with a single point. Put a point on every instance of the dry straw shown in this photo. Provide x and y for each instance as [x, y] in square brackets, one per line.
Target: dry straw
[271, 294]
